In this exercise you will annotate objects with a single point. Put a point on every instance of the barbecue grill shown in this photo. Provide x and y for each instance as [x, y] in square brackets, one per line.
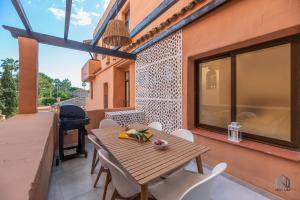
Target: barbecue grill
[72, 117]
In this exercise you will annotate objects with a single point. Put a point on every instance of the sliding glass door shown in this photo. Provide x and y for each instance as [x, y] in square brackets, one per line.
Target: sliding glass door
[263, 92]
[257, 87]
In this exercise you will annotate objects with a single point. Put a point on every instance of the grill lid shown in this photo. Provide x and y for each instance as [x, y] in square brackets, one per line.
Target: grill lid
[71, 112]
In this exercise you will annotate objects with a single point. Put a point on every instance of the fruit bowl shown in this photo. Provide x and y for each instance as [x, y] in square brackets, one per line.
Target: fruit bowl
[160, 144]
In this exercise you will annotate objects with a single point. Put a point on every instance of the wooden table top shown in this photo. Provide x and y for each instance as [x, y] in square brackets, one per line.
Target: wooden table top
[141, 160]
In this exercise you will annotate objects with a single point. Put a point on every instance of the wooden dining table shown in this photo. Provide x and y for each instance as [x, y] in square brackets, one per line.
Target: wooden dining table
[144, 162]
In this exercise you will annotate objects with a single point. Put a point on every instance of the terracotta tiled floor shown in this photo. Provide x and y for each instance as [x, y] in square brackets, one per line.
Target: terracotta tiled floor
[72, 181]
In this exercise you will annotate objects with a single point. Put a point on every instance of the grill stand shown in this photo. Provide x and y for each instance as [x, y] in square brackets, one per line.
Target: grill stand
[80, 148]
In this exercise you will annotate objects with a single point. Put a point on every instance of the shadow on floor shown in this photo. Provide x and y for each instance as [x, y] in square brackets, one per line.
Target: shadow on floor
[72, 180]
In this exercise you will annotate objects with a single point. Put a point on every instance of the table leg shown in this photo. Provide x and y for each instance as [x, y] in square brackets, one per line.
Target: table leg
[199, 164]
[144, 192]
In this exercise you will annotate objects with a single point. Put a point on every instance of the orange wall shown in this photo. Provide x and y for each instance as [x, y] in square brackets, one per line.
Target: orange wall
[235, 24]
[114, 76]
[138, 13]
[98, 85]
[27, 149]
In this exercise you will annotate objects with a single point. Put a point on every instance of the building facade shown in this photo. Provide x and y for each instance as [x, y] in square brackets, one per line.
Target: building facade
[202, 64]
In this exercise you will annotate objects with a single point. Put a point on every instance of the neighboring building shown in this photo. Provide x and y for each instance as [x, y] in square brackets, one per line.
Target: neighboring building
[79, 92]
[79, 98]
[239, 62]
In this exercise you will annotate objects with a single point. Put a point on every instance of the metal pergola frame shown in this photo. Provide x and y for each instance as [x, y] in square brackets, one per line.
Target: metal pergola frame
[57, 41]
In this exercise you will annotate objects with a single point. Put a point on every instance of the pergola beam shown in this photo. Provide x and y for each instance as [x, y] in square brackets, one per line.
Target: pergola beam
[112, 13]
[67, 18]
[19, 8]
[71, 44]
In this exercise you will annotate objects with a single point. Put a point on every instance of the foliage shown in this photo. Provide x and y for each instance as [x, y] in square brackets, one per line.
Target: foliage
[11, 64]
[62, 89]
[8, 89]
[1, 101]
[45, 86]
[48, 89]
[47, 100]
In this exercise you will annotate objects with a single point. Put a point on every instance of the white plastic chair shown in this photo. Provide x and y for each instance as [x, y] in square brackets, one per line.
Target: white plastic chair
[185, 185]
[106, 123]
[97, 147]
[184, 134]
[156, 126]
[104, 167]
[125, 186]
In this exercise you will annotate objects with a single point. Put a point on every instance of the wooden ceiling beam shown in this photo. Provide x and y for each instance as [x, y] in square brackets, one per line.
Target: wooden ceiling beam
[67, 18]
[19, 8]
[70, 44]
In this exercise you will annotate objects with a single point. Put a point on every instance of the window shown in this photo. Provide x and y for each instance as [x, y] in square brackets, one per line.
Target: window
[215, 92]
[127, 90]
[105, 95]
[263, 92]
[256, 86]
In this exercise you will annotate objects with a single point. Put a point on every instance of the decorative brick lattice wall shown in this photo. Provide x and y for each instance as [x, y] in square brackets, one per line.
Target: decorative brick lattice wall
[126, 117]
[158, 72]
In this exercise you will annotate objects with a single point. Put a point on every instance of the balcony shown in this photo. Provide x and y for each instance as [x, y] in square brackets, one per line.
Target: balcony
[73, 179]
[183, 69]
[89, 69]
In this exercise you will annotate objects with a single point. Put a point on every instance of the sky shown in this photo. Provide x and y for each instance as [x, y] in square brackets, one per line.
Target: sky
[47, 17]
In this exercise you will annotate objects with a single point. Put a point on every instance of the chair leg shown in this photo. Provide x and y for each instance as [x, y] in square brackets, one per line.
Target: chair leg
[94, 160]
[98, 176]
[115, 194]
[107, 180]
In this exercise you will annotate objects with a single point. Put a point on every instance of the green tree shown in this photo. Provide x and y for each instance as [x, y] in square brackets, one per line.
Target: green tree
[56, 85]
[50, 89]
[1, 103]
[45, 85]
[45, 90]
[13, 65]
[66, 86]
[62, 89]
[8, 94]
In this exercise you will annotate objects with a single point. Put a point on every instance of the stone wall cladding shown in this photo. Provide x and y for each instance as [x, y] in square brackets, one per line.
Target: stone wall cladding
[158, 72]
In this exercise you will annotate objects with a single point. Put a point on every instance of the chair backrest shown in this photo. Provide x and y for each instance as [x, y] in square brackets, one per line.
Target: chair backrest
[202, 189]
[93, 139]
[156, 126]
[184, 134]
[106, 123]
[124, 184]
